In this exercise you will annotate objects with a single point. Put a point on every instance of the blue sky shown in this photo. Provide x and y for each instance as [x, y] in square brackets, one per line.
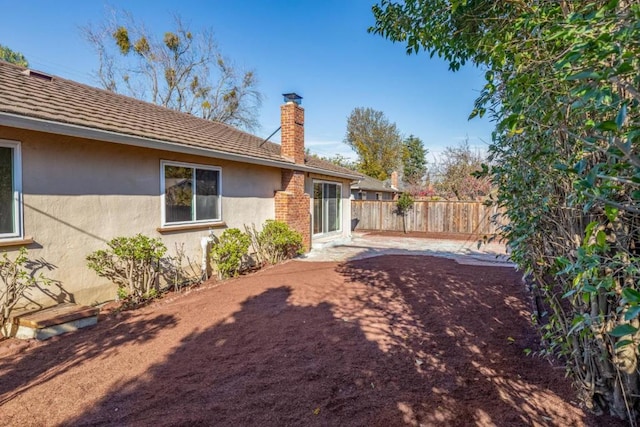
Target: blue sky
[318, 49]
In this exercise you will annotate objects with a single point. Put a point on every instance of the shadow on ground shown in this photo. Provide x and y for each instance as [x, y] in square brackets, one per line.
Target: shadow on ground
[60, 355]
[422, 342]
[399, 340]
[271, 363]
[467, 328]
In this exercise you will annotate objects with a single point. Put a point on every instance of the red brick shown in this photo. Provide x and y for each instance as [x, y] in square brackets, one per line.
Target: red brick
[292, 132]
[292, 205]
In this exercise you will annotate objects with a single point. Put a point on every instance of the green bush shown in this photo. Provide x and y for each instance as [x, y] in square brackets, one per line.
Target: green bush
[230, 252]
[132, 263]
[403, 205]
[276, 242]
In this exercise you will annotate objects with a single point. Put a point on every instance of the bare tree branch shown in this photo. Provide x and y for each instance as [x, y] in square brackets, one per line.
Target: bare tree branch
[178, 70]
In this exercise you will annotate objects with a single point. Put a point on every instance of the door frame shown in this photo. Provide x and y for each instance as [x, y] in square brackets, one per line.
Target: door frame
[325, 208]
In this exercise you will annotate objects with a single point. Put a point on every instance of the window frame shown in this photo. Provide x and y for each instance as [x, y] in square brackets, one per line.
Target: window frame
[194, 166]
[16, 174]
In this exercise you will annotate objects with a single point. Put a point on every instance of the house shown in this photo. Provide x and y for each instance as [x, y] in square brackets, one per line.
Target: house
[80, 166]
[368, 188]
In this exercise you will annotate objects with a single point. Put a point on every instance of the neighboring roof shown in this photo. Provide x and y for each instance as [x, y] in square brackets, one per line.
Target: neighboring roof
[368, 183]
[317, 162]
[47, 99]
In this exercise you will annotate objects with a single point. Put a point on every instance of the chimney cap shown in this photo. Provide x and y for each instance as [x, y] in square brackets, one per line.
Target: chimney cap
[292, 97]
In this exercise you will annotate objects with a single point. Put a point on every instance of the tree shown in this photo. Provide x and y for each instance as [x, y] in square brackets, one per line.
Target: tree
[376, 141]
[563, 88]
[456, 170]
[6, 54]
[403, 205]
[179, 70]
[414, 161]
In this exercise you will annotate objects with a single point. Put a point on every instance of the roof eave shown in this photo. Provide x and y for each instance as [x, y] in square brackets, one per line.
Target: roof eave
[68, 129]
[324, 172]
[379, 190]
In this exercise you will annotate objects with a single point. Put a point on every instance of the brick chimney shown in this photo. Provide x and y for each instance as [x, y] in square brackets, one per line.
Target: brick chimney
[394, 179]
[292, 204]
[292, 122]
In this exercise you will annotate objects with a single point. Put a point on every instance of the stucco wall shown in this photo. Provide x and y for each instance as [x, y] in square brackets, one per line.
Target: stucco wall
[78, 194]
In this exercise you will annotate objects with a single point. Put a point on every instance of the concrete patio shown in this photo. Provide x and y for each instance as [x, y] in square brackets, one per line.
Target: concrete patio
[364, 245]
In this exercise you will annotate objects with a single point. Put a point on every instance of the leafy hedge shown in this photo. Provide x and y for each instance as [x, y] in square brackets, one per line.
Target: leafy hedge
[563, 86]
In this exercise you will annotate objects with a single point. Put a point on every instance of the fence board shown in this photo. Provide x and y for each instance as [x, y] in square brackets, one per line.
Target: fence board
[425, 216]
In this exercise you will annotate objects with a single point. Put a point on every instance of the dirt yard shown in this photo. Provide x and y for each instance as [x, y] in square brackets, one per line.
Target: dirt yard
[385, 341]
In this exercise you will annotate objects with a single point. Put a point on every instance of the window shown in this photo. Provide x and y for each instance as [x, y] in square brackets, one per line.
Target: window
[190, 193]
[327, 212]
[10, 190]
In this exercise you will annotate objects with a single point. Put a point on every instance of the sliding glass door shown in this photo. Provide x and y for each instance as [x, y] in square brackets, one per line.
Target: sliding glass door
[327, 208]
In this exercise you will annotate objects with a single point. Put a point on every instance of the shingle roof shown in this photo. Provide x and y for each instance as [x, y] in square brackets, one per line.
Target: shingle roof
[316, 162]
[65, 101]
[372, 184]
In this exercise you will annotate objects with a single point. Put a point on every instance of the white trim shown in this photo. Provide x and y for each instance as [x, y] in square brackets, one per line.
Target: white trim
[340, 208]
[194, 166]
[16, 173]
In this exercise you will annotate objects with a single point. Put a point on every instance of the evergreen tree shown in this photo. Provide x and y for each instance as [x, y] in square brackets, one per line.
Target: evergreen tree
[414, 160]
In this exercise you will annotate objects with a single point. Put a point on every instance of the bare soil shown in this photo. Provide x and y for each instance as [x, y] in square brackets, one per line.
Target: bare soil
[385, 341]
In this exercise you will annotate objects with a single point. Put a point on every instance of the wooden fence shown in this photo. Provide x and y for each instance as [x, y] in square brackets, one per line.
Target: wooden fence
[425, 216]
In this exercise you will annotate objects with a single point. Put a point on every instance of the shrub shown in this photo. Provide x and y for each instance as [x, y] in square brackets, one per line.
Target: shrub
[179, 271]
[403, 204]
[16, 276]
[132, 263]
[230, 251]
[276, 242]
